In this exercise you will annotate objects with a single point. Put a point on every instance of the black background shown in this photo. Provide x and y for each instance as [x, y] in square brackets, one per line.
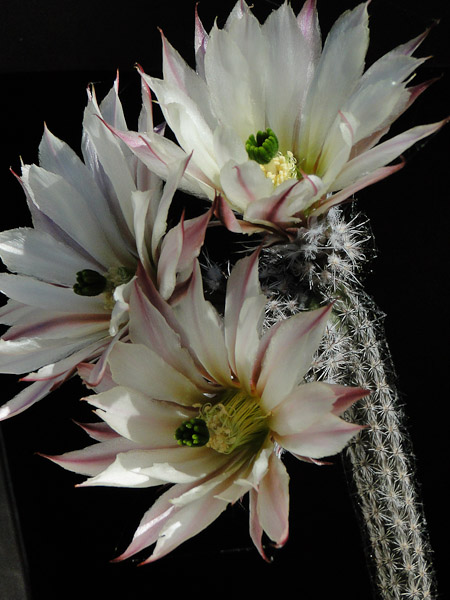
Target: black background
[49, 52]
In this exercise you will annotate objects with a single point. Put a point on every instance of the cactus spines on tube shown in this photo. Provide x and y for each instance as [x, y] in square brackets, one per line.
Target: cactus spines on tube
[325, 263]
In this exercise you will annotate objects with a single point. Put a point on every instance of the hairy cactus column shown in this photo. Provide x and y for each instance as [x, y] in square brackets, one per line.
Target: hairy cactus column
[321, 266]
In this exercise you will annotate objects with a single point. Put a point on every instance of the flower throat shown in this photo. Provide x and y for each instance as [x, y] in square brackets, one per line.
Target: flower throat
[235, 420]
[264, 149]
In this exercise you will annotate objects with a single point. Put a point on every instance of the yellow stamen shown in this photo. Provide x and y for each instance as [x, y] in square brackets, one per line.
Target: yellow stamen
[235, 421]
[281, 168]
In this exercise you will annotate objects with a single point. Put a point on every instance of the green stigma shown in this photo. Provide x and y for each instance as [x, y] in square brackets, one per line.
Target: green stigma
[262, 148]
[89, 283]
[92, 283]
[192, 433]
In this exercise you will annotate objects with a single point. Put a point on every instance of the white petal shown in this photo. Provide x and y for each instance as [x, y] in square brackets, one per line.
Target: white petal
[288, 71]
[186, 120]
[148, 326]
[139, 418]
[337, 147]
[48, 296]
[308, 403]
[33, 252]
[178, 74]
[273, 501]
[138, 367]
[26, 398]
[145, 468]
[325, 437]
[94, 459]
[187, 522]
[59, 158]
[383, 154]
[62, 203]
[112, 159]
[244, 311]
[244, 183]
[228, 146]
[289, 355]
[237, 106]
[203, 328]
[380, 95]
[338, 71]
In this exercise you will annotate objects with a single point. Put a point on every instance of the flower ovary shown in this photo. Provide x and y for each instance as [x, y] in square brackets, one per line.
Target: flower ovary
[192, 433]
[262, 148]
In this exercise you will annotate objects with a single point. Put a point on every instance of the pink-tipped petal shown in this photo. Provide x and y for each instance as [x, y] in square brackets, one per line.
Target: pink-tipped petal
[326, 437]
[203, 328]
[242, 332]
[308, 22]
[185, 523]
[148, 326]
[26, 398]
[289, 354]
[324, 205]
[188, 236]
[200, 44]
[273, 502]
[256, 530]
[94, 459]
[346, 397]
[153, 521]
[100, 432]
[309, 402]
[384, 153]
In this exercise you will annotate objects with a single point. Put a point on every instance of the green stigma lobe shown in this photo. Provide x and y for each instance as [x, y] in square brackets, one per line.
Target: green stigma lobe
[192, 433]
[262, 148]
[89, 283]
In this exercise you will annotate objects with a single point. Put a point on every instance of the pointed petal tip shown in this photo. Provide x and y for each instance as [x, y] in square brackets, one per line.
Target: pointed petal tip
[346, 397]
[283, 541]
[119, 558]
[139, 68]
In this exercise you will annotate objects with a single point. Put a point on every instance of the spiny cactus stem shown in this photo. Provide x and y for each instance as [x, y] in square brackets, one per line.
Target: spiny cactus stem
[324, 264]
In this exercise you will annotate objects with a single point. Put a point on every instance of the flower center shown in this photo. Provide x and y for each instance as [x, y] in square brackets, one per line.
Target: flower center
[281, 167]
[92, 283]
[264, 150]
[233, 421]
[193, 432]
[89, 283]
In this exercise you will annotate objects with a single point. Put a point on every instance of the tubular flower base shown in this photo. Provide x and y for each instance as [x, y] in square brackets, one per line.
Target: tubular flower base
[210, 405]
[93, 223]
[281, 128]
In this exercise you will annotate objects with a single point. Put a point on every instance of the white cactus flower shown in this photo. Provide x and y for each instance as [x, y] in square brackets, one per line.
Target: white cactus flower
[93, 223]
[208, 404]
[281, 128]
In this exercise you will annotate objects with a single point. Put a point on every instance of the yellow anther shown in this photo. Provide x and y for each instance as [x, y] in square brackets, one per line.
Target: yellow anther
[281, 168]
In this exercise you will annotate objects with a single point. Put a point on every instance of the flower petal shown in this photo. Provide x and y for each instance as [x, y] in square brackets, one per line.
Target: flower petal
[325, 437]
[141, 369]
[26, 398]
[339, 68]
[309, 402]
[94, 459]
[273, 501]
[203, 328]
[383, 154]
[37, 254]
[289, 354]
[148, 326]
[135, 416]
[244, 311]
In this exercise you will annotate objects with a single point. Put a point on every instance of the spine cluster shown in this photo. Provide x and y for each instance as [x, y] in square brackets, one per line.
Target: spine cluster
[324, 264]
